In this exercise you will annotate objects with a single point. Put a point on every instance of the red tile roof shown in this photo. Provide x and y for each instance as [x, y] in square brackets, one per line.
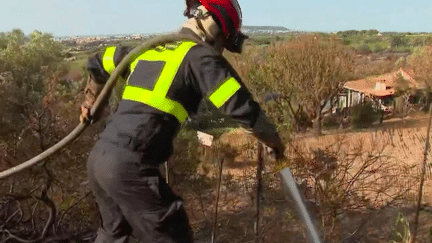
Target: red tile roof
[372, 86]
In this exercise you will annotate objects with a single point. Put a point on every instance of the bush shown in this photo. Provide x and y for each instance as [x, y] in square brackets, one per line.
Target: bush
[398, 41]
[339, 182]
[364, 49]
[186, 152]
[331, 121]
[378, 47]
[364, 115]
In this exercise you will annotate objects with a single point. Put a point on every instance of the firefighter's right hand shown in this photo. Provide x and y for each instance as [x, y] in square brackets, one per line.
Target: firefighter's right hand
[279, 152]
[85, 114]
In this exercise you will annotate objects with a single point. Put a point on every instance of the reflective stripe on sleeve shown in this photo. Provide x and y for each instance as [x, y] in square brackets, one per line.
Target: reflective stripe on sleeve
[108, 59]
[224, 92]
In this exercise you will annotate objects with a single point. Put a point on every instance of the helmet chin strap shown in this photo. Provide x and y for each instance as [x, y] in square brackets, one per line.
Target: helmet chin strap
[212, 32]
[203, 24]
[192, 24]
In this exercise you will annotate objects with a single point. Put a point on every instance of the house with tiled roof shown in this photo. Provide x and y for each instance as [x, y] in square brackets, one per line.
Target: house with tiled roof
[379, 88]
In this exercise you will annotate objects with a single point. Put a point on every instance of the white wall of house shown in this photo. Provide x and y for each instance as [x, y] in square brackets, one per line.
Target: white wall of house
[347, 99]
[356, 98]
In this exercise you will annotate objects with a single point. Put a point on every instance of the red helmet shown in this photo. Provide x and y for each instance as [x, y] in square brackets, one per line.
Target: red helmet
[228, 15]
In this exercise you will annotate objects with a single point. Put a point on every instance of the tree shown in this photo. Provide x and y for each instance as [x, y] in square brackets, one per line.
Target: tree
[28, 61]
[421, 63]
[310, 69]
[257, 67]
[16, 36]
[372, 32]
[35, 115]
[398, 41]
[3, 41]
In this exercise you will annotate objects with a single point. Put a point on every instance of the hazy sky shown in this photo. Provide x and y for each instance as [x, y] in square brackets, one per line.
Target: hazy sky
[96, 17]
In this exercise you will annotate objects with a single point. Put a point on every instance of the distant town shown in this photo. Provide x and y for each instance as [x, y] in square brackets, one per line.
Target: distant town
[86, 42]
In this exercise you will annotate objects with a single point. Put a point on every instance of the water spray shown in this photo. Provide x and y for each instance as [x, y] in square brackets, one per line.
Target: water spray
[290, 183]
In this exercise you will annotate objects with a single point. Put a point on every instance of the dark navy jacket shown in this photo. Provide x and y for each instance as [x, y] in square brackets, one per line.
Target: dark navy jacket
[150, 132]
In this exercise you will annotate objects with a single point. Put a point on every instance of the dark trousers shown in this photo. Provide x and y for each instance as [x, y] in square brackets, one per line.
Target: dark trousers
[134, 199]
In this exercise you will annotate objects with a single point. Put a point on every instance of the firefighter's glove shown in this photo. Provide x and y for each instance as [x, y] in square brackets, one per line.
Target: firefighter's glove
[85, 116]
[85, 113]
[278, 149]
[91, 92]
[279, 152]
[266, 132]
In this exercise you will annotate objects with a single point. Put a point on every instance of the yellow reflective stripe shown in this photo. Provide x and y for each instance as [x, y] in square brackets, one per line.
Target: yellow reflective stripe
[168, 73]
[161, 103]
[161, 53]
[224, 92]
[157, 97]
[108, 59]
[151, 55]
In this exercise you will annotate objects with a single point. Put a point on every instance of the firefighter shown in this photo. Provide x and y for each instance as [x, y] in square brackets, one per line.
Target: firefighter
[164, 87]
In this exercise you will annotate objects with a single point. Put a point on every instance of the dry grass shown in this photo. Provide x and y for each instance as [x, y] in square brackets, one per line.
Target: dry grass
[358, 184]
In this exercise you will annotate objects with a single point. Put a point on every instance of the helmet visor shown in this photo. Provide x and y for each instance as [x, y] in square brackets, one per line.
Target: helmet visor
[235, 43]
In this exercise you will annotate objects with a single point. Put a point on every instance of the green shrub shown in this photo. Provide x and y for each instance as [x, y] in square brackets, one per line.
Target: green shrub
[400, 230]
[186, 152]
[365, 49]
[347, 41]
[398, 41]
[364, 115]
[331, 121]
[379, 47]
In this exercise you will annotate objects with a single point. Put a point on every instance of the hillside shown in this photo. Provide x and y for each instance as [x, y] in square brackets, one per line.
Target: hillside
[265, 29]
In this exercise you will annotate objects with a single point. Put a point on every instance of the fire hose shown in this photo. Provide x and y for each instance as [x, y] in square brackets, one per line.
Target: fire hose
[105, 93]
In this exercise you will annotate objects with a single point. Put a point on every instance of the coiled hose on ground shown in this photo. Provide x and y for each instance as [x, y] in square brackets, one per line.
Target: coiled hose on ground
[105, 93]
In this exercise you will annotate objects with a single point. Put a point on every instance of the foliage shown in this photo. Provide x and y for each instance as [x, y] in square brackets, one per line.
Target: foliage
[28, 61]
[378, 47]
[365, 49]
[421, 63]
[331, 121]
[370, 32]
[314, 67]
[363, 115]
[398, 41]
[365, 41]
[366, 68]
[378, 42]
[430, 233]
[249, 66]
[186, 150]
[346, 175]
[400, 230]
[41, 108]
[38, 109]
[303, 73]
